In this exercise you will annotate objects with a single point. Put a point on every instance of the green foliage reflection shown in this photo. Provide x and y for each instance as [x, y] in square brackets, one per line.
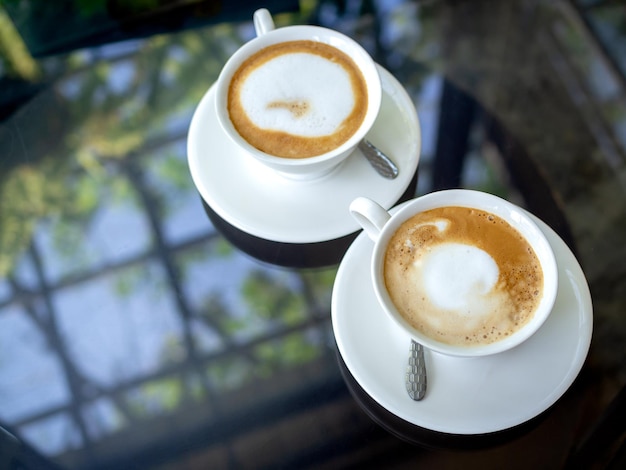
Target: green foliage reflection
[287, 351]
[273, 300]
[67, 148]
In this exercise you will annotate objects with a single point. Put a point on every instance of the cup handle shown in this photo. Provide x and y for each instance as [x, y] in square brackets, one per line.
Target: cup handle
[370, 215]
[263, 22]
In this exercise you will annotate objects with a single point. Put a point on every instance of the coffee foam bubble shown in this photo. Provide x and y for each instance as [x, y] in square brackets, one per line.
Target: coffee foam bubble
[283, 95]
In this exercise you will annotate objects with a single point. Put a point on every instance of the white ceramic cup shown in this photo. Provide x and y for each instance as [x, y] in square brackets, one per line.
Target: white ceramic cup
[311, 167]
[380, 225]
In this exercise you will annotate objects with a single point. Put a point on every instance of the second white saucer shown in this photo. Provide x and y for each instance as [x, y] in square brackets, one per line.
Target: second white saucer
[263, 203]
[465, 395]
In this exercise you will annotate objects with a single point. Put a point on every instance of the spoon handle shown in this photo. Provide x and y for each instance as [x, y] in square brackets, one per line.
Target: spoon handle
[416, 372]
[381, 162]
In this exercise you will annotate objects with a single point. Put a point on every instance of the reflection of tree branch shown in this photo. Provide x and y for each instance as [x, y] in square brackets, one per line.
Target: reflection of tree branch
[101, 271]
[12, 48]
[309, 285]
[185, 368]
[152, 209]
[589, 108]
[46, 324]
[48, 328]
[219, 310]
[155, 90]
[576, 14]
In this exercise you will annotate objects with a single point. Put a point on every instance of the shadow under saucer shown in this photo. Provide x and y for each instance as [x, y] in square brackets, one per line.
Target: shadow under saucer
[425, 437]
[293, 255]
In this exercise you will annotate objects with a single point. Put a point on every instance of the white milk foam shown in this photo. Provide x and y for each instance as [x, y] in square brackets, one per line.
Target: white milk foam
[298, 78]
[458, 277]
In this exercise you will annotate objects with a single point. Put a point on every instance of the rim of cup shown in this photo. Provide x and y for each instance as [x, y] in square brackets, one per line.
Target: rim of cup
[517, 218]
[359, 55]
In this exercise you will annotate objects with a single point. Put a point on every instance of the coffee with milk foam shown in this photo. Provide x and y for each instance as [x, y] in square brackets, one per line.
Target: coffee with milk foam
[462, 276]
[297, 99]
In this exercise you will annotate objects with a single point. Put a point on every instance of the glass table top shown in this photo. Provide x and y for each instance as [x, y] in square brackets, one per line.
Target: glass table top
[139, 329]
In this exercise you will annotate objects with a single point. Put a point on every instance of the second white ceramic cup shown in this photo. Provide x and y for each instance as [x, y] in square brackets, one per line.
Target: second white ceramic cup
[380, 225]
[311, 167]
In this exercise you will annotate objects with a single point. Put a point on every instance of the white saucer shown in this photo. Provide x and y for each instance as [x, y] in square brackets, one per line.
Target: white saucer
[263, 203]
[464, 396]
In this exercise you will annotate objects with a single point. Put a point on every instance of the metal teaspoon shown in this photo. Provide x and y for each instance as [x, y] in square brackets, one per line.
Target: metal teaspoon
[381, 162]
[416, 372]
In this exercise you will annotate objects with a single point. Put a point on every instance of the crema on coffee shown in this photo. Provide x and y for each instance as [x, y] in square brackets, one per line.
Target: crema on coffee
[297, 99]
[462, 276]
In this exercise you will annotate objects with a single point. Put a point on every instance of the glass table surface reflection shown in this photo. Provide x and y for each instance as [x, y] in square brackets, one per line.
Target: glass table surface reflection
[139, 329]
